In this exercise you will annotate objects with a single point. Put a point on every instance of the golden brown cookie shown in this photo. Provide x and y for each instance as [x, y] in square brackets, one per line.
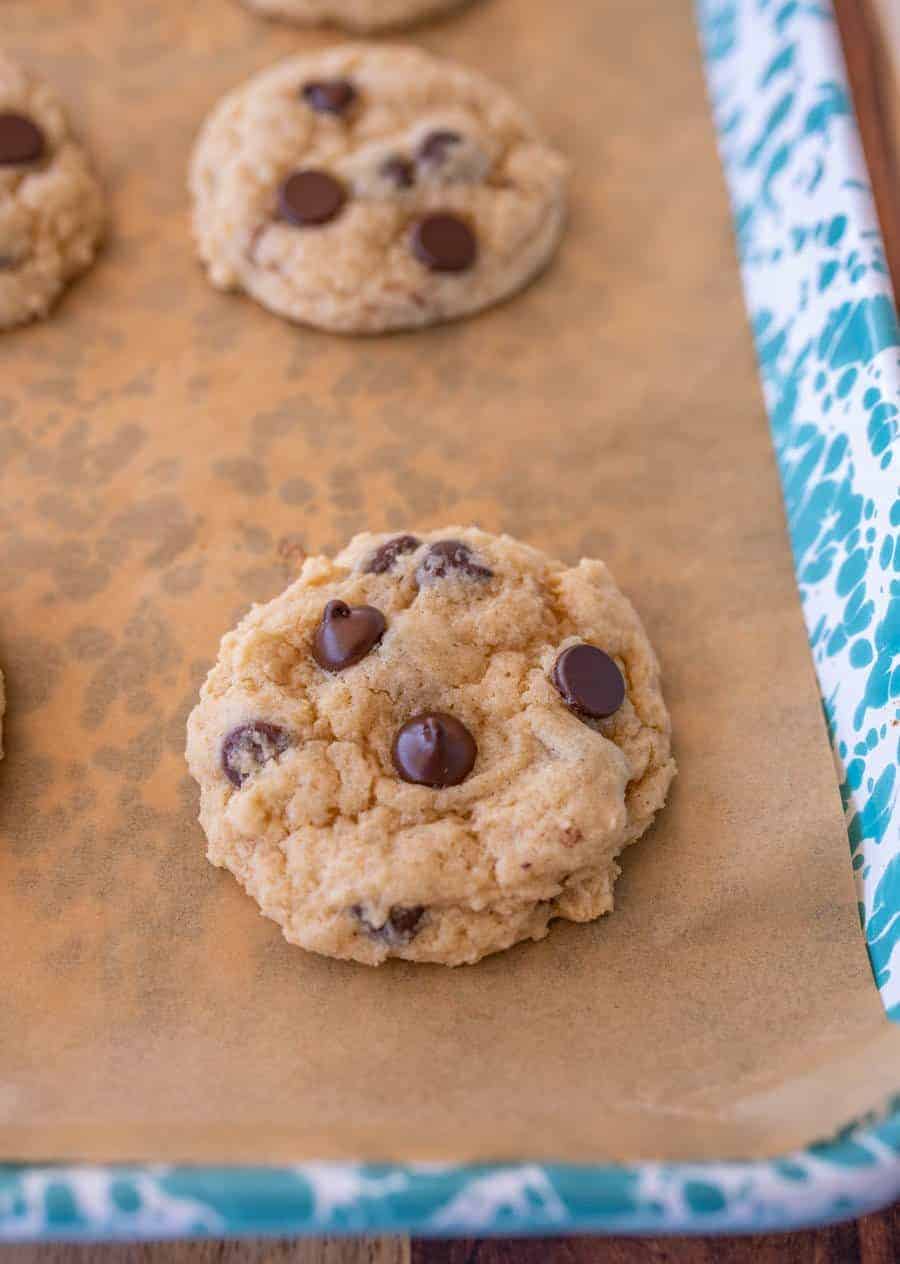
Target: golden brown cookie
[431, 746]
[51, 207]
[369, 188]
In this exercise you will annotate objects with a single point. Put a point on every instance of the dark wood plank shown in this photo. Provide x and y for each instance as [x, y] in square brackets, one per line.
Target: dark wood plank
[879, 1237]
[873, 1240]
[297, 1251]
[872, 82]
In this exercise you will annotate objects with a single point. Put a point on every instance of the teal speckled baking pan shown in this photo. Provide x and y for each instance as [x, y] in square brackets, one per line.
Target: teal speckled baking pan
[828, 345]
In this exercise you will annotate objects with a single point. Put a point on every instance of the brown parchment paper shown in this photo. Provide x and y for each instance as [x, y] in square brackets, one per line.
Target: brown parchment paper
[167, 453]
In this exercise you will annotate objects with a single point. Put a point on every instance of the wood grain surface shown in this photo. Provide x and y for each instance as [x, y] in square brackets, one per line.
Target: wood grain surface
[873, 69]
[870, 30]
[310, 1251]
[873, 1240]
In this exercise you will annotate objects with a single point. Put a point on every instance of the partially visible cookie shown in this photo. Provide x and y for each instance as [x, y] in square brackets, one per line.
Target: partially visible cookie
[369, 188]
[2, 710]
[51, 206]
[355, 15]
[431, 746]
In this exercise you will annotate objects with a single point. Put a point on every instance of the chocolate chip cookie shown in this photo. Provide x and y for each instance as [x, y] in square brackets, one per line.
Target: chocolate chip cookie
[51, 207]
[355, 15]
[431, 746]
[370, 188]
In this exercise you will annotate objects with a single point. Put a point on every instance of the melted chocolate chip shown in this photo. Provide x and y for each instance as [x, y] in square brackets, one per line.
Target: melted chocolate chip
[386, 555]
[589, 681]
[400, 172]
[21, 140]
[329, 96]
[449, 557]
[434, 749]
[247, 748]
[433, 149]
[310, 197]
[444, 243]
[346, 634]
[402, 925]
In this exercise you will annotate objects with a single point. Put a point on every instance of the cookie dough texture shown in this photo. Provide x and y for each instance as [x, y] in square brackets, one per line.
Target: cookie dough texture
[51, 209]
[355, 15]
[337, 849]
[359, 271]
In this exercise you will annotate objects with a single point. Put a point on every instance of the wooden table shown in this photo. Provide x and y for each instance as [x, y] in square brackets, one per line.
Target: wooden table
[875, 78]
[874, 1240]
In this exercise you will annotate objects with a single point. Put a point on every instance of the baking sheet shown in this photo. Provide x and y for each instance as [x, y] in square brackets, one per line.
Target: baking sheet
[168, 454]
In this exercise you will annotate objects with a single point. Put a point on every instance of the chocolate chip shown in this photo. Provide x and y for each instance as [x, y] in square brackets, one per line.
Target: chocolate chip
[346, 634]
[21, 140]
[247, 748]
[434, 749]
[402, 925]
[310, 197]
[433, 149]
[400, 172]
[444, 243]
[385, 555]
[448, 557]
[589, 681]
[329, 96]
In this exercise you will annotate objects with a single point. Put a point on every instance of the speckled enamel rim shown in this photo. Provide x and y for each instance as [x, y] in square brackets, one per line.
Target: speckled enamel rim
[827, 339]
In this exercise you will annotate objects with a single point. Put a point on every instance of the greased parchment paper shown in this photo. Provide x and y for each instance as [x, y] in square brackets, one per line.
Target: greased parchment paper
[167, 455]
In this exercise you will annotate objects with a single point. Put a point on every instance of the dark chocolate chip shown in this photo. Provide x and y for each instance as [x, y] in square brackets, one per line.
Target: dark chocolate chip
[329, 96]
[21, 140]
[346, 634]
[433, 149]
[589, 681]
[402, 925]
[247, 748]
[310, 197]
[386, 554]
[449, 557]
[434, 749]
[400, 172]
[444, 243]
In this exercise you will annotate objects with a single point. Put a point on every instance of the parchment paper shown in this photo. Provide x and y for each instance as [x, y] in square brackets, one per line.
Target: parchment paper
[167, 455]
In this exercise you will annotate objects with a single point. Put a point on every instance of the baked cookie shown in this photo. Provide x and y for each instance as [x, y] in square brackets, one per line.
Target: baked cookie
[431, 746]
[355, 15]
[369, 188]
[51, 207]
[2, 710]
